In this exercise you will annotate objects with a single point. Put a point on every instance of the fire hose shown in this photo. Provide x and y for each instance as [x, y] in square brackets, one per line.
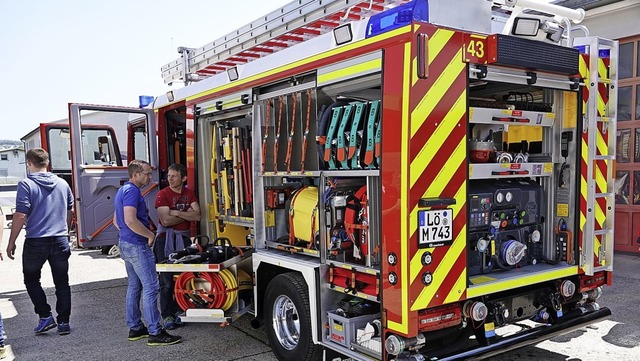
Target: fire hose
[191, 291]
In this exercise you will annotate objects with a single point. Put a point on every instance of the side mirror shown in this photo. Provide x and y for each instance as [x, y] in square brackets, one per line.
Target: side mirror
[103, 149]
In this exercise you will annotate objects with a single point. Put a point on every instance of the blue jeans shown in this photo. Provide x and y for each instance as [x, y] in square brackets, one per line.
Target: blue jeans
[35, 253]
[143, 283]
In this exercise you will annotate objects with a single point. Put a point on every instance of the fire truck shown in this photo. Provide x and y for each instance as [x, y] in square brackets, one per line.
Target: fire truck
[387, 179]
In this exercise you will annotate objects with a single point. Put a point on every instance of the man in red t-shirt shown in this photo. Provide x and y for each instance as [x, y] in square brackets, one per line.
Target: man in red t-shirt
[177, 207]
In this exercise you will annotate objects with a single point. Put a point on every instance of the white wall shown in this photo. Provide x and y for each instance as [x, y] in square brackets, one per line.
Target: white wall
[13, 169]
[614, 21]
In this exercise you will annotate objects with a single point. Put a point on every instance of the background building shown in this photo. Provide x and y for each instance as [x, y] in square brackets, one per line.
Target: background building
[619, 20]
[12, 167]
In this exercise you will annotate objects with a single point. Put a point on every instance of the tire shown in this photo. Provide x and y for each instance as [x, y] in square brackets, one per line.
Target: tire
[287, 319]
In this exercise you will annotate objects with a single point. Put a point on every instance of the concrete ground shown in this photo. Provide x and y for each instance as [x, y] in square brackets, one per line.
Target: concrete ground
[99, 331]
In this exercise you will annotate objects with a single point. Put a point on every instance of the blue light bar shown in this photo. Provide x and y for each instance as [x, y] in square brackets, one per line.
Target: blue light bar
[399, 16]
[144, 100]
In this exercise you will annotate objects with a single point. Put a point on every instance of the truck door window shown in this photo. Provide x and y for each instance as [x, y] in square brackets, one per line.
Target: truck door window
[59, 149]
[138, 135]
[106, 139]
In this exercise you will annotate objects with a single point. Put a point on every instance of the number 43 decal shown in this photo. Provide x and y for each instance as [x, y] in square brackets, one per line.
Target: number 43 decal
[475, 49]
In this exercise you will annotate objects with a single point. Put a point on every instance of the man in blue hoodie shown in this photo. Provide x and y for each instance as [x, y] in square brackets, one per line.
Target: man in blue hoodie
[44, 201]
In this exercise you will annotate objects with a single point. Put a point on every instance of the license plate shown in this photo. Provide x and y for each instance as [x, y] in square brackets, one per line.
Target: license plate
[435, 228]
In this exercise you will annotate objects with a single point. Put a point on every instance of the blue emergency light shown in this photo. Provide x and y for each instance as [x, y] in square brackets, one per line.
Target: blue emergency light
[145, 100]
[397, 17]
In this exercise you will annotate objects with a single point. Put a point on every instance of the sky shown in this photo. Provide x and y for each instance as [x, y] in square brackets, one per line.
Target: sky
[100, 52]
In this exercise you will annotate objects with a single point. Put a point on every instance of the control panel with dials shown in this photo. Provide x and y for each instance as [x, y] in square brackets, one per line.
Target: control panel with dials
[505, 219]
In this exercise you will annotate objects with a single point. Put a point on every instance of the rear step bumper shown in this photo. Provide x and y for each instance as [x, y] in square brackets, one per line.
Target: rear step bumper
[530, 337]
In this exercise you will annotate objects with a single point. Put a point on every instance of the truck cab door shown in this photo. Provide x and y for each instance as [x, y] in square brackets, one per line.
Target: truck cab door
[99, 165]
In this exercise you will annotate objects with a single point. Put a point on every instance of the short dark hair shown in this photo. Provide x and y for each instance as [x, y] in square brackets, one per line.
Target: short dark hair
[179, 168]
[38, 157]
[135, 166]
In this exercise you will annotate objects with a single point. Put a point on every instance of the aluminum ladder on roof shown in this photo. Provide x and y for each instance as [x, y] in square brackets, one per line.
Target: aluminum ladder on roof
[287, 26]
[599, 137]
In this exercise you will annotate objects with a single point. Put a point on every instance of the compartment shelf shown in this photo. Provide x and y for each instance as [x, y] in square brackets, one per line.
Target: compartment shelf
[291, 174]
[479, 115]
[293, 249]
[350, 293]
[354, 269]
[352, 173]
[509, 170]
[504, 280]
[203, 267]
[351, 266]
[214, 315]
[237, 220]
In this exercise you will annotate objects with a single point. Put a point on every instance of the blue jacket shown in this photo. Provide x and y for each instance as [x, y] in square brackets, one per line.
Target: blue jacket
[45, 198]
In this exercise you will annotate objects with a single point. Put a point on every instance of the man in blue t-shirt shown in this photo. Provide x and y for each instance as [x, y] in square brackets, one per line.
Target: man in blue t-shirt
[136, 242]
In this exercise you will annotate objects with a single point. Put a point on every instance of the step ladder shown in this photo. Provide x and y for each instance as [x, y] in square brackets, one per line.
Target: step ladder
[599, 128]
[295, 22]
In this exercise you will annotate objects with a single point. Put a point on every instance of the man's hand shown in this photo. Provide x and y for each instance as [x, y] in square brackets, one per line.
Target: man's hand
[11, 250]
[151, 239]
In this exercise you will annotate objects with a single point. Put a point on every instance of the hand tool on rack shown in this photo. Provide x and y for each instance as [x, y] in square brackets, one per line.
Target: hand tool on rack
[277, 140]
[292, 131]
[306, 131]
[266, 134]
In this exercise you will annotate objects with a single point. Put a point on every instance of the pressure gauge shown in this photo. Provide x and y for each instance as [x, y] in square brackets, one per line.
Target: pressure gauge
[535, 236]
[392, 259]
[509, 197]
[499, 197]
[482, 245]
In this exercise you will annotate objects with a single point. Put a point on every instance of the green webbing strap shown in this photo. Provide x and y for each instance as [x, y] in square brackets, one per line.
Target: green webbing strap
[377, 148]
[354, 146]
[332, 129]
[370, 135]
[341, 153]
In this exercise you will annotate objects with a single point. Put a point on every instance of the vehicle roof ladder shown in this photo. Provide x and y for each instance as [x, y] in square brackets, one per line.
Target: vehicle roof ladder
[599, 68]
[293, 23]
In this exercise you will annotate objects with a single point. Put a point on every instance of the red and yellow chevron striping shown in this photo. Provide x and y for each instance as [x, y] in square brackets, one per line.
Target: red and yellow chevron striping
[438, 167]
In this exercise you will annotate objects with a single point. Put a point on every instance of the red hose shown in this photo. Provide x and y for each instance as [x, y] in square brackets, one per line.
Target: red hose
[187, 296]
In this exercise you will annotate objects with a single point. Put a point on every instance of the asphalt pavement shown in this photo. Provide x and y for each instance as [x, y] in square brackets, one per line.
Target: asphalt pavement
[99, 332]
[98, 329]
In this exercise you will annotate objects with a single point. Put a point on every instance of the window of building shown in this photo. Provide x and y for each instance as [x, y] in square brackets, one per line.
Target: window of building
[636, 187]
[628, 116]
[622, 187]
[4, 157]
[624, 103]
[626, 60]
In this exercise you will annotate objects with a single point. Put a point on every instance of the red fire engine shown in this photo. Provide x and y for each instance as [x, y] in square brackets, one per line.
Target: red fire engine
[386, 179]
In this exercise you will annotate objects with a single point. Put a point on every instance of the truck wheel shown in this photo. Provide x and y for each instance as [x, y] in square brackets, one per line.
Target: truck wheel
[287, 319]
